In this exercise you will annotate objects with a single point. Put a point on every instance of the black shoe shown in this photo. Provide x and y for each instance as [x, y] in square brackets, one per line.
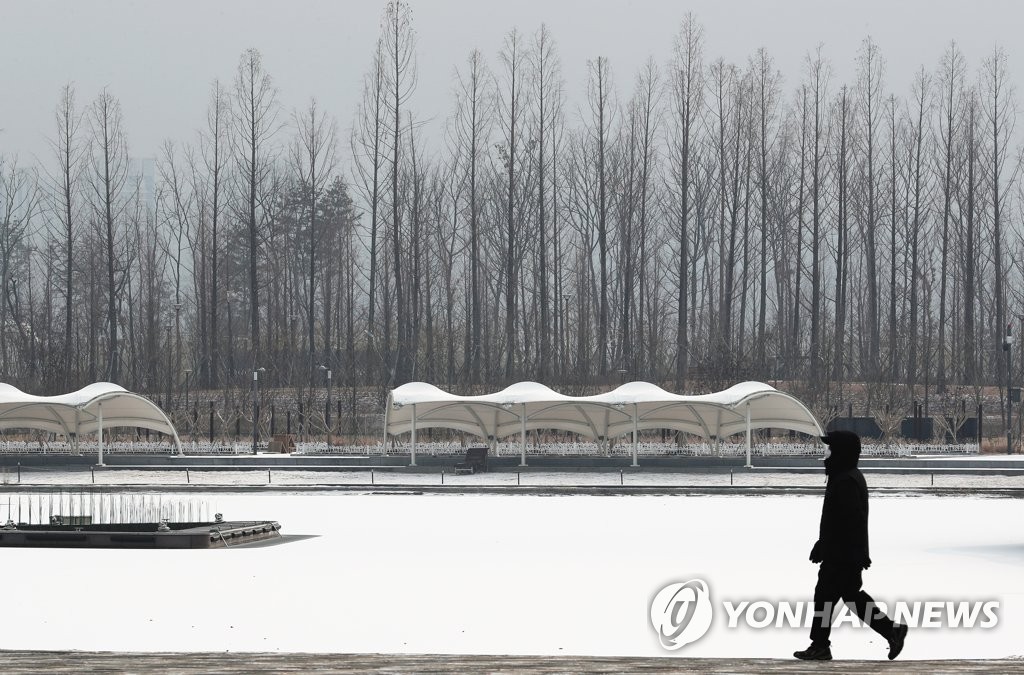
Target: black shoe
[899, 635]
[815, 653]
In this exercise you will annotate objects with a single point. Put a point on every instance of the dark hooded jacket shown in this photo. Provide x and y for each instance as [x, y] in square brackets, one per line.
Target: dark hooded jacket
[843, 534]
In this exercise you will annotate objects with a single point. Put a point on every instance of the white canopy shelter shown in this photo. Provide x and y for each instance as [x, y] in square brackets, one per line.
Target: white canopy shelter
[631, 408]
[98, 406]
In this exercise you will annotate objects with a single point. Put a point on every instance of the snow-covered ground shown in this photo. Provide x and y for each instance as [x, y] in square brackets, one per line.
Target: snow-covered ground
[512, 575]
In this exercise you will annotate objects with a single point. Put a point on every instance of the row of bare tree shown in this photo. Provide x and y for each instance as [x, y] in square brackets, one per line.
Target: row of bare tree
[713, 224]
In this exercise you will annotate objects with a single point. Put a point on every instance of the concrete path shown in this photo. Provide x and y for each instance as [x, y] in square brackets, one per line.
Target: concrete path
[216, 663]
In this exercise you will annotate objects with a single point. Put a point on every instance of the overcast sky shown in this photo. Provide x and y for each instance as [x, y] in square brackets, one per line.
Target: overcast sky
[158, 58]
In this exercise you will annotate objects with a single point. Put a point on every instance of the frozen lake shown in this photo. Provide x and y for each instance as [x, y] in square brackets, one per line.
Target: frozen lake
[494, 574]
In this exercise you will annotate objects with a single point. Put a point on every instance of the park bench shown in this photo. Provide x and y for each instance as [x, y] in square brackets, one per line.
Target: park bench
[476, 460]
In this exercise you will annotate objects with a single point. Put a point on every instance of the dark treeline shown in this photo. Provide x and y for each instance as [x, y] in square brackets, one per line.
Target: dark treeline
[693, 224]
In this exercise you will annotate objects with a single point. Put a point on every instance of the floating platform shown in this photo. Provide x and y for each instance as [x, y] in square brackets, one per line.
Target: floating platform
[225, 534]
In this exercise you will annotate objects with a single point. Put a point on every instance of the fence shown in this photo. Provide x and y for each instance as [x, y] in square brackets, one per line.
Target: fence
[563, 449]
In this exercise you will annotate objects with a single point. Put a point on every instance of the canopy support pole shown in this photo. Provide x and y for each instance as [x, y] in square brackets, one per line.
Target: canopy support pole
[522, 437]
[494, 445]
[636, 434]
[384, 440]
[177, 442]
[748, 465]
[413, 457]
[607, 441]
[99, 431]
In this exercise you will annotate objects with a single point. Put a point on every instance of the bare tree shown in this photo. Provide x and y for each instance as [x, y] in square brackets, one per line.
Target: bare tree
[399, 50]
[818, 73]
[367, 143]
[414, 197]
[215, 157]
[922, 103]
[794, 339]
[721, 82]
[970, 256]
[896, 175]
[687, 70]
[1000, 117]
[314, 159]
[871, 68]
[549, 103]
[766, 85]
[255, 124]
[470, 128]
[69, 152]
[510, 108]
[842, 164]
[110, 197]
[19, 205]
[636, 242]
[950, 116]
[602, 111]
[179, 229]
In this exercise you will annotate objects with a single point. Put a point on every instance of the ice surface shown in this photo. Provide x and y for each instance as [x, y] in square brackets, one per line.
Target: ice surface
[511, 575]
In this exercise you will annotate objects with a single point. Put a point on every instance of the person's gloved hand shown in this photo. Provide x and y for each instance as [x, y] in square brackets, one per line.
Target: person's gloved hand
[816, 552]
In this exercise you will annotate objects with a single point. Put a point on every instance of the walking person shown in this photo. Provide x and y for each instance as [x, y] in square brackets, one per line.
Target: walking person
[842, 550]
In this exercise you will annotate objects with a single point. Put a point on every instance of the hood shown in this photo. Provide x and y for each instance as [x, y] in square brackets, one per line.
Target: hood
[843, 451]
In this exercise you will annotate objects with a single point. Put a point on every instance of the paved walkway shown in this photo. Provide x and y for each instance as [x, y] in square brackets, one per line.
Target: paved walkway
[225, 663]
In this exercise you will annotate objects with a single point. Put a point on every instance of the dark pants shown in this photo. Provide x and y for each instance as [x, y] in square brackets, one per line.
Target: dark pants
[837, 581]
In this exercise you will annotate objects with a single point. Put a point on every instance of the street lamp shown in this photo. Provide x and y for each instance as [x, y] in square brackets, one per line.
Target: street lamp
[188, 415]
[256, 406]
[292, 318]
[1007, 345]
[327, 410]
[167, 328]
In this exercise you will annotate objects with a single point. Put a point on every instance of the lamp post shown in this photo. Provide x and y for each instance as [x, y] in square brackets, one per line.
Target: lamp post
[371, 343]
[188, 374]
[167, 402]
[1019, 391]
[256, 406]
[188, 415]
[177, 345]
[292, 318]
[327, 409]
[1007, 345]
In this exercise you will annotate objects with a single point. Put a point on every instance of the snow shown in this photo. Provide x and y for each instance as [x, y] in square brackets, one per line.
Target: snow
[511, 575]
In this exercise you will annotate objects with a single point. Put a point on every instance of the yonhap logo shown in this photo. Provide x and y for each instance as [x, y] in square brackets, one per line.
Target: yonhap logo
[681, 613]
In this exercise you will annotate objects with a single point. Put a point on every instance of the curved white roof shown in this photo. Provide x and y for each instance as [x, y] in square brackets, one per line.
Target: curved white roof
[605, 415]
[79, 411]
